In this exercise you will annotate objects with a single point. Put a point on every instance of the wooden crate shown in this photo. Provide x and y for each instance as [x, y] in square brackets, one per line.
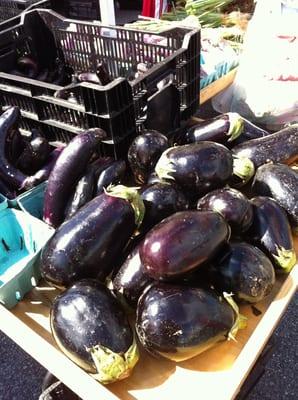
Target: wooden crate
[216, 374]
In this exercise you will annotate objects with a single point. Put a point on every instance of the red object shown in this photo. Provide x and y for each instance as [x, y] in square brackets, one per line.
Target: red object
[154, 8]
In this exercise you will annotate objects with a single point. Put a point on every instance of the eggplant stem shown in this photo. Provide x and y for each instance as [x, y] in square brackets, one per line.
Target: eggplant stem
[286, 259]
[132, 196]
[236, 126]
[112, 366]
[240, 320]
[164, 166]
[243, 167]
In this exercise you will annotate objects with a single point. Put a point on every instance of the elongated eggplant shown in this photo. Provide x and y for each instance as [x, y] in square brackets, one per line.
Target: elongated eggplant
[67, 170]
[178, 322]
[131, 279]
[244, 271]
[110, 175]
[250, 131]
[279, 147]
[271, 232]
[197, 168]
[232, 205]
[280, 182]
[161, 200]
[8, 124]
[144, 152]
[223, 129]
[182, 242]
[82, 194]
[90, 327]
[88, 244]
[44, 173]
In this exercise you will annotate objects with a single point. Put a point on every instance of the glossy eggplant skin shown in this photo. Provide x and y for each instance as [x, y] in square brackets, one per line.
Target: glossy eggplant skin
[110, 175]
[271, 232]
[244, 271]
[86, 316]
[280, 182]
[197, 168]
[178, 322]
[161, 200]
[131, 279]
[250, 132]
[232, 205]
[279, 147]
[8, 124]
[144, 152]
[34, 156]
[67, 170]
[88, 244]
[182, 242]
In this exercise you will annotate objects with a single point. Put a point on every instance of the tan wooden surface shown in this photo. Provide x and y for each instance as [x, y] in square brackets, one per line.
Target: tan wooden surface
[215, 374]
[216, 87]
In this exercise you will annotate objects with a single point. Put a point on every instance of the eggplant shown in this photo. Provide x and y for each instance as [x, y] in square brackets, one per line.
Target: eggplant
[243, 171]
[82, 194]
[6, 191]
[88, 244]
[103, 74]
[271, 232]
[110, 175]
[161, 200]
[44, 173]
[90, 327]
[8, 124]
[232, 205]
[179, 322]
[28, 67]
[250, 131]
[197, 168]
[131, 279]
[67, 170]
[279, 147]
[244, 271]
[153, 178]
[144, 152]
[280, 182]
[34, 156]
[223, 129]
[15, 146]
[182, 242]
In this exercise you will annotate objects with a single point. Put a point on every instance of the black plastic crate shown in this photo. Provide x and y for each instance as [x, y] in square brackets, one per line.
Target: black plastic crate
[12, 8]
[119, 107]
[87, 10]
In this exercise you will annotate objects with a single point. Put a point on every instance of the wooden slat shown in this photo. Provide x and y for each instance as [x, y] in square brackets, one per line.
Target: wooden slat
[216, 87]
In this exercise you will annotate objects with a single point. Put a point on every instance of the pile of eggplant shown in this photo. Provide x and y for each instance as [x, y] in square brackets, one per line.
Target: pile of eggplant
[167, 237]
[25, 161]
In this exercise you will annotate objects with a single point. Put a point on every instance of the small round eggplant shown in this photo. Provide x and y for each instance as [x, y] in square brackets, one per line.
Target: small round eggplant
[271, 232]
[198, 168]
[180, 322]
[232, 205]
[245, 271]
[90, 327]
[144, 152]
[161, 200]
[182, 242]
[131, 279]
[280, 182]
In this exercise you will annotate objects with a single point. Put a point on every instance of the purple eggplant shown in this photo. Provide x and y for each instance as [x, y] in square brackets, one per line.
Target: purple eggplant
[91, 328]
[44, 173]
[161, 200]
[243, 171]
[280, 182]
[8, 124]
[182, 242]
[144, 152]
[180, 322]
[244, 271]
[232, 205]
[34, 156]
[279, 147]
[250, 132]
[271, 232]
[83, 192]
[89, 244]
[197, 168]
[131, 279]
[68, 169]
[110, 176]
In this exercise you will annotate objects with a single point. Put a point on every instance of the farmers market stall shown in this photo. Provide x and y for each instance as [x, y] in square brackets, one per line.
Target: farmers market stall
[143, 251]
